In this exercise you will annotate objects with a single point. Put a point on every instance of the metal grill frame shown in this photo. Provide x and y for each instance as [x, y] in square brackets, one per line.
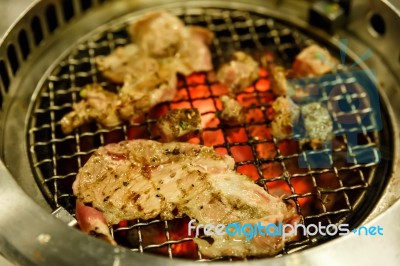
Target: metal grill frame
[110, 43]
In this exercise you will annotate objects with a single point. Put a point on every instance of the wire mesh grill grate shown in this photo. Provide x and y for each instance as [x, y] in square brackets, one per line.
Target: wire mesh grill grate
[327, 195]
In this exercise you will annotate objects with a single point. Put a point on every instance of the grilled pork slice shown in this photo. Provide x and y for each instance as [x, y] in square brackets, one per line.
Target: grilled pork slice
[137, 96]
[179, 124]
[163, 47]
[126, 60]
[232, 111]
[313, 61]
[141, 93]
[286, 115]
[194, 54]
[144, 179]
[159, 38]
[158, 34]
[97, 104]
[164, 36]
[317, 123]
[239, 73]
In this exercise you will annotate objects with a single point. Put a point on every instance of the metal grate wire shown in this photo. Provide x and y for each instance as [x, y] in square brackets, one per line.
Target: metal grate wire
[56, 158]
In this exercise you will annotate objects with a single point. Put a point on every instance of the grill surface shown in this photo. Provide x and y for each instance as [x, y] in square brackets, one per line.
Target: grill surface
[340, 194]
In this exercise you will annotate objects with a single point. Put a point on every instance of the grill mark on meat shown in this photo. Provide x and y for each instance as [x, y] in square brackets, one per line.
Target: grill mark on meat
[134, 196]
[118, 157]
[218, 198]
[146, 171]
[214, 197]
[103, 177]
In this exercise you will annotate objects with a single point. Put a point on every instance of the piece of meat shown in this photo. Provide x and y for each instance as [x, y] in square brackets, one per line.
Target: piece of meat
[278, 80]
[158, 34]
[98, 104]
[159, 38]
[144, 179]
[232, 111]
[126, 60]
[317, 123]
[240, 246]
[286, 115]
[139, 94]
[194, 54]
[179, 124]
[313, 61]
[163, 47]
[239, 73]
[93, 222]
[165, 37]
[281, 86]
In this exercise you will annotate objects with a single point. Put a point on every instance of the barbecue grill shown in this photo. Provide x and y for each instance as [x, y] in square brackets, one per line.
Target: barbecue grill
[49, 56]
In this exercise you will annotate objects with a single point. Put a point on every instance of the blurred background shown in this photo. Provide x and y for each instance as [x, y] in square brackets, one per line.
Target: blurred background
[10, 10]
